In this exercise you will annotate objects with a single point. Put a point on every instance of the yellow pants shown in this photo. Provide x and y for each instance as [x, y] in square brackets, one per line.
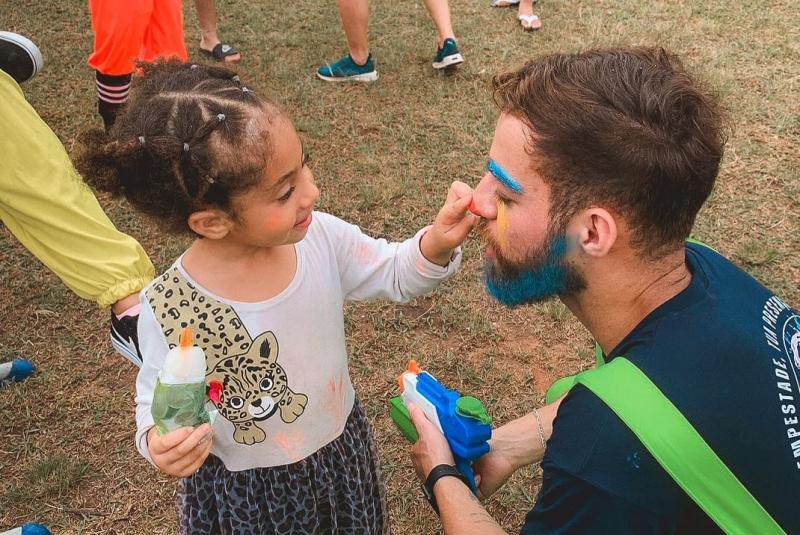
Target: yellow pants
[48, 207]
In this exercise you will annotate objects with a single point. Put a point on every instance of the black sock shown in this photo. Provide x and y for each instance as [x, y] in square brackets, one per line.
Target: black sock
[112, 93]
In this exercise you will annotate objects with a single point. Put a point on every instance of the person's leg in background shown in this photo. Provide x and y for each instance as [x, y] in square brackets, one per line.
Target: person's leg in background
[51, 211]
[358, 64]
[163, 37]
[119, 27]
[447, 53]
[210, 43]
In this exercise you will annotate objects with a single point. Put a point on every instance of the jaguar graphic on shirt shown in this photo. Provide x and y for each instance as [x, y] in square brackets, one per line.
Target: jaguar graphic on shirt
[255, 386]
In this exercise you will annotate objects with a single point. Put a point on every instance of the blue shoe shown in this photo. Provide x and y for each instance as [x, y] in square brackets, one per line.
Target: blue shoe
[32, 528]
[15, 371]
[347, 70]
[19, 57]
[448, 55]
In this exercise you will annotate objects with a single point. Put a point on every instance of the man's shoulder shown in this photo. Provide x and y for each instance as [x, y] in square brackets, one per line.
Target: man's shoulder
[592, 444]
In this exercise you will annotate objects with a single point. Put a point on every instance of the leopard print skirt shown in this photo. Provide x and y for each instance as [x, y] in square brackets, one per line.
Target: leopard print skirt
[338, 489]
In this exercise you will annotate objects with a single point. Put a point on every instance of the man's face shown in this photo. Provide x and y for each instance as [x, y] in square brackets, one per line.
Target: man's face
[526, 253]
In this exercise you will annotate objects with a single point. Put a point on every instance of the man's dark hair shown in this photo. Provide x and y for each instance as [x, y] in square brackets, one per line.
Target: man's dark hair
[627, 129]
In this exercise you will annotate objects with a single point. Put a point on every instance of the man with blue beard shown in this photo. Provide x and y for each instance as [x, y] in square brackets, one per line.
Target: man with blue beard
[599, 165]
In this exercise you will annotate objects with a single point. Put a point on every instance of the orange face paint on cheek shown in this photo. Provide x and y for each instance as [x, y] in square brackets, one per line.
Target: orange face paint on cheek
[502, 224]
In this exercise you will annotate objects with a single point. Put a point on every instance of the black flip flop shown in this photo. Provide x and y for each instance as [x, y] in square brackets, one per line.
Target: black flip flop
[220, 52]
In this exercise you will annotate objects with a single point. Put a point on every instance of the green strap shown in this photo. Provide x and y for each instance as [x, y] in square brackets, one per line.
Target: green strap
[678, 447]
[563, 385]
[698, 242]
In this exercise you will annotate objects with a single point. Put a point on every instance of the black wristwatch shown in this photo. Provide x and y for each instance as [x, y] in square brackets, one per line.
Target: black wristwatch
[437, 473]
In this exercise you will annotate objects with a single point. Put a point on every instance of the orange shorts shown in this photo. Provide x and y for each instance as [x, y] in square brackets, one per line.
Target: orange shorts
[129, 30]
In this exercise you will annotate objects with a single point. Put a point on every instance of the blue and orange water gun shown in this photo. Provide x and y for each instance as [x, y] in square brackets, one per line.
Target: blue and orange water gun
[461, 419]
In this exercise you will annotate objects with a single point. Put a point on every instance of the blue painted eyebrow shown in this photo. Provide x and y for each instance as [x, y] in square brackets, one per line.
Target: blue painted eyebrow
[504, 177]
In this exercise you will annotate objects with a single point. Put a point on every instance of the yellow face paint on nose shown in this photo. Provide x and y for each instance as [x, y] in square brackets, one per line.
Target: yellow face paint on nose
[502, 224]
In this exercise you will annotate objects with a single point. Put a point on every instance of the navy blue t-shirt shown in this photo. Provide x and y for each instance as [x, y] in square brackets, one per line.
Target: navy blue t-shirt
[726, 352]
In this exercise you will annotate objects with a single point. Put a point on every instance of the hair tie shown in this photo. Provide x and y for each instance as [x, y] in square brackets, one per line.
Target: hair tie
[193, 66]
[186, 147]
[141, 141]
[220, 117]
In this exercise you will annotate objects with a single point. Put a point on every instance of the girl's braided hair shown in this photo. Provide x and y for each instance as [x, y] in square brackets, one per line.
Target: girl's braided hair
[190, 137]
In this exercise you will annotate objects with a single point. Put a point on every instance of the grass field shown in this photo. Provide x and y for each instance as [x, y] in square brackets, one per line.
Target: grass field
[383, 156]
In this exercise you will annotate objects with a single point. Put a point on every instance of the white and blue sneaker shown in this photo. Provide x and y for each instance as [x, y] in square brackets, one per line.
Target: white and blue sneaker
[447, 56]
[15, 371]
[30, 528]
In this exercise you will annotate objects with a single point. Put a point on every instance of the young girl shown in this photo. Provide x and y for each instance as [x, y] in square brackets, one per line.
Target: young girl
[262, 288]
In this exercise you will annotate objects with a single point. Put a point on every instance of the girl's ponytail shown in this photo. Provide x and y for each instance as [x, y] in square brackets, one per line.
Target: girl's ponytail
[102, 161]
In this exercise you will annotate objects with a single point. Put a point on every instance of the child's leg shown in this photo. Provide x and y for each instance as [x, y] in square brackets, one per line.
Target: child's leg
[197, 500]
[440, 13]
[163, 37]
[337, 489]
[356, 490]
[355, 21]
[119, 28]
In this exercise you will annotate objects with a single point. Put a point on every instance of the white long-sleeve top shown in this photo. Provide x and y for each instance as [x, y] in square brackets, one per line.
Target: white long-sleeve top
[283, 361]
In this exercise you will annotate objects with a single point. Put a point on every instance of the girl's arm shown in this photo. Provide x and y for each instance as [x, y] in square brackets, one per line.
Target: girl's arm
[450, 228]
[154, 349]
[372, 268]
[181, 452]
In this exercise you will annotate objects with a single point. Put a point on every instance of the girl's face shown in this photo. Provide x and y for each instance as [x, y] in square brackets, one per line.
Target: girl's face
[278, 210]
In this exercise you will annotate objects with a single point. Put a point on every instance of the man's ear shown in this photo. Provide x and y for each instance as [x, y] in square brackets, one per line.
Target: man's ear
[596, 231]
[210, 223]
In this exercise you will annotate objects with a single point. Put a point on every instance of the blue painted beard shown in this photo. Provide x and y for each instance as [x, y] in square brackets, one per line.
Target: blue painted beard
[544, 274]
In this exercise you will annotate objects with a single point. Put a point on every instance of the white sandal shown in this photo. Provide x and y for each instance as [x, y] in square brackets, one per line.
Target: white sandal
[528, 22]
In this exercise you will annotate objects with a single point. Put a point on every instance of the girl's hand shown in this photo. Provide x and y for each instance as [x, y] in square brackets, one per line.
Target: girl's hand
[181, 452]
[450, 228]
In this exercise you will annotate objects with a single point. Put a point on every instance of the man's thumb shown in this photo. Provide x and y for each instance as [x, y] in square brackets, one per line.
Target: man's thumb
[417, 416]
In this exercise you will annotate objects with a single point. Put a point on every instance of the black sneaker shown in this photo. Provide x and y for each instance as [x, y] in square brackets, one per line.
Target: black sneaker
[19, 57]
[125, 338]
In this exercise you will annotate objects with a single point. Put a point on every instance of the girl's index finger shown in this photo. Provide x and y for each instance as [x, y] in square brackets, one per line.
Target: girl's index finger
[164, 443]
[458, 190]
[194, 438]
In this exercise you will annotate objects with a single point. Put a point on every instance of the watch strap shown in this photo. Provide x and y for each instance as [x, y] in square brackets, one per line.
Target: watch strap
[438, 472]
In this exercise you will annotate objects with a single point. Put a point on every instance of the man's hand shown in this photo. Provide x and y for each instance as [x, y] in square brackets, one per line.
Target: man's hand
[181, 452]
[459, 511]
[493, 469]
[431, 449]
[450, 228]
